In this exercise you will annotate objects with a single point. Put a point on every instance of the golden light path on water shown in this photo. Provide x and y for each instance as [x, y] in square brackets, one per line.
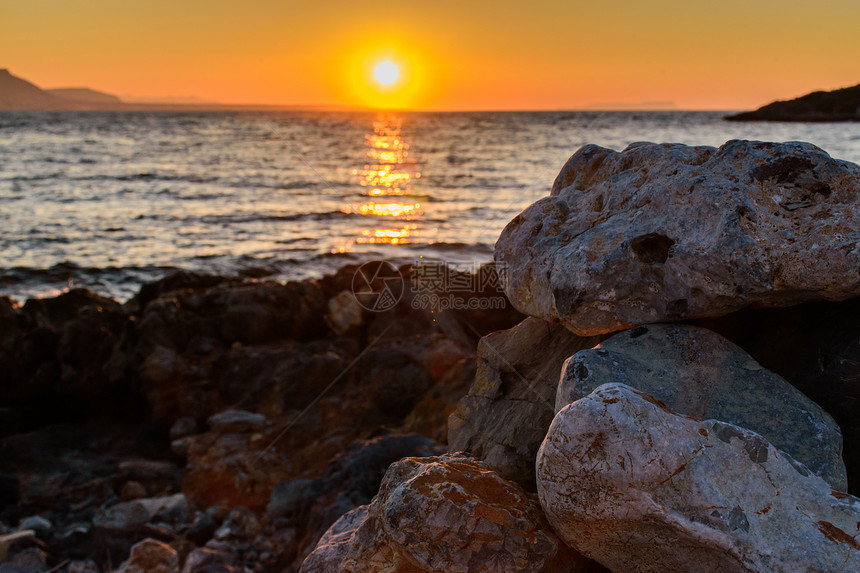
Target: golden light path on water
[386, 177]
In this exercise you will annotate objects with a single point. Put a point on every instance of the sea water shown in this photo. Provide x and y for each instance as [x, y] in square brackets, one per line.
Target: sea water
[109, 200]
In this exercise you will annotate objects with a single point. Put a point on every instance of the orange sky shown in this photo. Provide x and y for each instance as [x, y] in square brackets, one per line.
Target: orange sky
[480, 54]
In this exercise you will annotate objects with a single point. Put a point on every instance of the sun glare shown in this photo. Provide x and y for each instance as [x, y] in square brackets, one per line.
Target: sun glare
[386, 73]
[389, 76]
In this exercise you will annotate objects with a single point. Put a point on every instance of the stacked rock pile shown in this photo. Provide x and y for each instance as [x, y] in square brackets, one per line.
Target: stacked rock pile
[677, 398]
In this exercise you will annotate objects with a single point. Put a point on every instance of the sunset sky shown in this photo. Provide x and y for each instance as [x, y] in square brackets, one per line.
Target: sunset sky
[537, 54]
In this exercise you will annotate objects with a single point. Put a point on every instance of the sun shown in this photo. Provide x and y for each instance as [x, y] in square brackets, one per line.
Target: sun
[386, 72]
[390, 76]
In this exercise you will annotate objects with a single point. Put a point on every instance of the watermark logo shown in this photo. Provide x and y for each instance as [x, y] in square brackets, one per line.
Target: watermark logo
[377, 286]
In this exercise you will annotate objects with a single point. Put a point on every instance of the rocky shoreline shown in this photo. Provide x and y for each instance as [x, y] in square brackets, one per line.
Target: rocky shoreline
[819, 106]
[216, 424]
[199, 414]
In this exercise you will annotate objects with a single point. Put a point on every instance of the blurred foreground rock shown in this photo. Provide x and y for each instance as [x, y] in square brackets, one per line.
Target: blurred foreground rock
[251, 402]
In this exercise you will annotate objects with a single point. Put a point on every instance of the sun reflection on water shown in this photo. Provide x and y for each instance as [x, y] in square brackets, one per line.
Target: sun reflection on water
[387, 174]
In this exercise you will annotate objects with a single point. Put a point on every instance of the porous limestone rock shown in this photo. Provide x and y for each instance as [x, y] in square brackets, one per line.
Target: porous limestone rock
[699, 373]
[449, 513]
[663, 232]
[638, 487]
[504, 417]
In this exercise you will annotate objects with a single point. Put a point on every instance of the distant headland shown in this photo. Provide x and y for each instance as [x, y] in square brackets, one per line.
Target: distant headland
[16, 93]
[836, 105]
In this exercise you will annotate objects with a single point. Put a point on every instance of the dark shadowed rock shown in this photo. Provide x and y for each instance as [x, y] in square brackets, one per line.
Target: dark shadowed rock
[699, 373]
[349, 481]
[63, 359]
[816, 347]
[189, 320]
[504, 417]
[660, 233]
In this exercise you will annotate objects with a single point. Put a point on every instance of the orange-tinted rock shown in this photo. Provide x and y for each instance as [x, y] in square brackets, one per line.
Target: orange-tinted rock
[151, 556]
[448, 513]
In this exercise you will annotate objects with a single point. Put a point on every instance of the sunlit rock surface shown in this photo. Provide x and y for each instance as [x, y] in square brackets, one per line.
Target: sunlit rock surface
[638, 487]
[151, 556]
[699, 373]
[449, 513]
[664, 232]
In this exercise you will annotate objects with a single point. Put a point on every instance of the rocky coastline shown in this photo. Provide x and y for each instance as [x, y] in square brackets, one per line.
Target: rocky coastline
[584, 421]
[819, 106]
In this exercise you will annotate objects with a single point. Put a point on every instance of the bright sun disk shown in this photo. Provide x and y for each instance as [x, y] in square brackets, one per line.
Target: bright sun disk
[386, 73]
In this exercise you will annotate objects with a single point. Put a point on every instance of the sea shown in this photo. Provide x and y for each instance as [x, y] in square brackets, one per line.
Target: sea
[111, 200]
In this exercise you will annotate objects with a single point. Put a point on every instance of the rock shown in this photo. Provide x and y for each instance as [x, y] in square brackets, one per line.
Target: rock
[334, 545]
[151, 556]
[289, 497]
[204, 560]
[504, 417]
[394, 380]
[219, 316]
[344, 312]
[73, 539]
[30, 560]
[638, 487]
[836, 105]
[241, 523]
[132, 490]
[130, 515]
[183, 427]
[698, 373]
[181, 446]
[61, 360]
[268, 378]
[231, 470]
[43, 527]
[660, 233]
[816, 347]
[178, 282]
[447, 513]
[204, 526]
[350, 480]
[236, 421]
[10, 539]
[83, 566]
[145, 470]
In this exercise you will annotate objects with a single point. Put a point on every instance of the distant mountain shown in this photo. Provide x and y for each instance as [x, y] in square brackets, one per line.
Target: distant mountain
[85, 95]
[169, 100]
[633, 106]
[837, 105]
[17, 93]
